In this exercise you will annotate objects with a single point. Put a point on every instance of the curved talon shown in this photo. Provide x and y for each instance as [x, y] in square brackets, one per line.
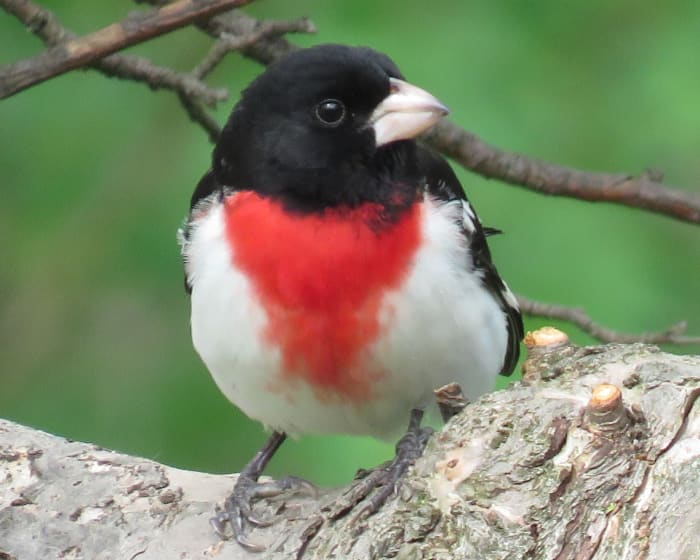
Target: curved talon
[218, 523]
[248, 545]
[257, 522]
[236, 518]
[292, 484]
[301, 486]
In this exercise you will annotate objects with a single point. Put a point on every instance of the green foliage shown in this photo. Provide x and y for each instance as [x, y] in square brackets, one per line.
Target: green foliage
[97, 173]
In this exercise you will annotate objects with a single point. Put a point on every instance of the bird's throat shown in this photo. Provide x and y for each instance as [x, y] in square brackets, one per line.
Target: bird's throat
[322, 279]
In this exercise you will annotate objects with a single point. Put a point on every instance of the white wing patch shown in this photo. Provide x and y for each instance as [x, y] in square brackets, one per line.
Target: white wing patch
[509, 296]
[468, 217]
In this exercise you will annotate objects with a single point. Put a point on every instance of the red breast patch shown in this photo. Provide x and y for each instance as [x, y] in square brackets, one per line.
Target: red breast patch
[321, 279]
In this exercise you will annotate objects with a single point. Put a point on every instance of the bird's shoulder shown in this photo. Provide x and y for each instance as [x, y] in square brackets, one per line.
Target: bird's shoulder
[206, 194]
[442, 185]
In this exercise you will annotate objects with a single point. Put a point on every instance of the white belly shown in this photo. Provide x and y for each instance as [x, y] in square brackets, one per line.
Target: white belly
[440, 326]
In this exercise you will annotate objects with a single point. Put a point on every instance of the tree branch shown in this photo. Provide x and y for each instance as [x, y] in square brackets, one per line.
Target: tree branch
[235, 40]
[45, 25]
[139, 69]
[262, 41]
[594, 455]
[644, 191]
[199, 115]
[577, 316]
[191, 91]
[81, 51]
[228, 42]
[472, 153]
[236, 23]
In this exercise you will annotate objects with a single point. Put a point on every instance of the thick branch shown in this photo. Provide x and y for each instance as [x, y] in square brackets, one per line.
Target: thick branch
[577, 316]
[595, 455]
[44, 24]
[76, 52]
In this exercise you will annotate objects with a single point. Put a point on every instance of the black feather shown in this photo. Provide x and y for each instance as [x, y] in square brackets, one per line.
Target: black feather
[442, 183]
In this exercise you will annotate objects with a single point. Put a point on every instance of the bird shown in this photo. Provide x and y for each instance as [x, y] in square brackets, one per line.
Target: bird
[337, 272]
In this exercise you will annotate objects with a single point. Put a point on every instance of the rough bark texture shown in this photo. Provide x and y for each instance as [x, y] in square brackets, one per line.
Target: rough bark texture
[552, 468]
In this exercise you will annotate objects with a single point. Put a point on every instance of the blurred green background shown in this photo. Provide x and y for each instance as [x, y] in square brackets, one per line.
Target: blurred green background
[96, 176]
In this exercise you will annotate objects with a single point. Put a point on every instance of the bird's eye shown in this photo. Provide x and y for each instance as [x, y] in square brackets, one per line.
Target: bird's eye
[330, 112]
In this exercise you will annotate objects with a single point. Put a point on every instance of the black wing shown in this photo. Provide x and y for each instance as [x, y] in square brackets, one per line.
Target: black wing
[442, 183]
[206, 186]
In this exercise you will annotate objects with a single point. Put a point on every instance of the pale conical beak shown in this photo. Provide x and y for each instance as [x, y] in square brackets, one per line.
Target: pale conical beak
[405, 113]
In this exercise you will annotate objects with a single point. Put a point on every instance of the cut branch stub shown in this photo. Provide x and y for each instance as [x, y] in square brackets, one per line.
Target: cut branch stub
[450, 400]
[605, 411]
[546, 339]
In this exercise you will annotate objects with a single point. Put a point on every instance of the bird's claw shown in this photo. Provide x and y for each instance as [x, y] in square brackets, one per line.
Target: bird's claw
[374, 487]
[238, 507]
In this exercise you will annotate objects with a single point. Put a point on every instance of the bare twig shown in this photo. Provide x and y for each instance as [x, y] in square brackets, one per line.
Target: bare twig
[228, 42]
[235, 23]
[44, 24]
[191, 91]
[38, 20]
[576, 316]
[128, 67]
[235, 42]
[81, 51]
[259, 40]
[199, 115]
[644, 191]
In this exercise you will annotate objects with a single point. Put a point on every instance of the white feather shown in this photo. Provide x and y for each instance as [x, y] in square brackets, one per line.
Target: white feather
[440, 326]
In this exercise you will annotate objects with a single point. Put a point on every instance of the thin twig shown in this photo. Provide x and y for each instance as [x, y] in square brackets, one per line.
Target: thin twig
[37, 19]
[82, 51]
[577, 316]
[228, 43]
[200, 116]
[136, 68]
[235, 23]
[268, 45]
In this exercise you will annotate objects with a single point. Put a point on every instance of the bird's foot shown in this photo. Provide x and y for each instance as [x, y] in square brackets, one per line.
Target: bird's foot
[374, 487]
[238, 507]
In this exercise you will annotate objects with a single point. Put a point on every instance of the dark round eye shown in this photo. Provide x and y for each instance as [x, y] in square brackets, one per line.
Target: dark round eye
[330, 112]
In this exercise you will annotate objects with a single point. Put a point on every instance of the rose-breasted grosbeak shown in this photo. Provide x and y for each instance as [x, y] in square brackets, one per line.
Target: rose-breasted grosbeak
[338, 274]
